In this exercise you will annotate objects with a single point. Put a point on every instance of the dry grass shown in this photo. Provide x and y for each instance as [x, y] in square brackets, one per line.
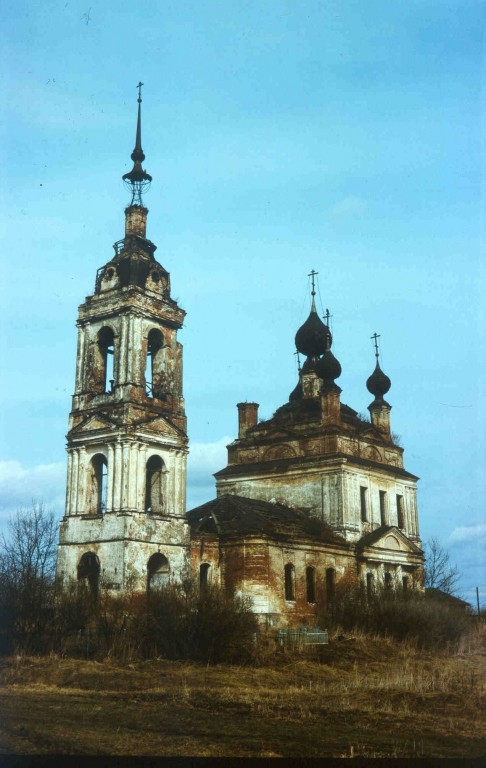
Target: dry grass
[365, 697]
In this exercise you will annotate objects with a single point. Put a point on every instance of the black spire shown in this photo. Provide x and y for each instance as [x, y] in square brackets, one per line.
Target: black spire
[138, 180]
[378, 383]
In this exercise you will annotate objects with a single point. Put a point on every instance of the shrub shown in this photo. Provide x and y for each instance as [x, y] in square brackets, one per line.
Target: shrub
[397, 614]
[176, 622]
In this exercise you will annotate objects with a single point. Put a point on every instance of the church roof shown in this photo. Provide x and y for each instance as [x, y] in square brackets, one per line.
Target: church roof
[233, 515]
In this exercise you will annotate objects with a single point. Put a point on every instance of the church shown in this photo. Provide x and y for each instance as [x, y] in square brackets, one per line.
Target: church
[312, 496]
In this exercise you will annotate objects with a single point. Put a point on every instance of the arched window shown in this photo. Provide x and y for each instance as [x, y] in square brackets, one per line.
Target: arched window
[330, 585]
[153, 364]
[106, 346]
[154, 496]
[310, 583]
[89, 572]
[289, 572]
[204, 576]
[97, 492]
[388, 580]
[158, 571]
[370, 584]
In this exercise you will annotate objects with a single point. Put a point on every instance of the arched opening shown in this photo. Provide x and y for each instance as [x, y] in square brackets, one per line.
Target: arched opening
[388, 580]
[289, 573]
[405, 583]
[154, 496]
[153, 363]
[370, 585]
[204, 576]
[106, 346]
[158, 572]
[310, 584]
[330, 585]
[99, 469]
[89, 572]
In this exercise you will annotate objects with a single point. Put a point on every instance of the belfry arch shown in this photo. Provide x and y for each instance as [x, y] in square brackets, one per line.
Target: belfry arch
[154, 364]
[97, 484]
[154, 486]
[106, 354]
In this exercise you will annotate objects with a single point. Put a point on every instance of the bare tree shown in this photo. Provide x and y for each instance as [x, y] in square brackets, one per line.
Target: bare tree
[439, 572]
[27, 571]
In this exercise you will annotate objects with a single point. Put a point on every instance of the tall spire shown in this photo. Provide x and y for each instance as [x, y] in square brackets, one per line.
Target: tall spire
[137, 180]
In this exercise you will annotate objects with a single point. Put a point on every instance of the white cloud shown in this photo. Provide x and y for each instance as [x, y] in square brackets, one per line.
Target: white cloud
[20, 485]
[204, 460]
[468, 533]
[348, 208]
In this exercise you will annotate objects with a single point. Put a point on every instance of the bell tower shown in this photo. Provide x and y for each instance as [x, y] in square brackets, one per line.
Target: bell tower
[124, 523]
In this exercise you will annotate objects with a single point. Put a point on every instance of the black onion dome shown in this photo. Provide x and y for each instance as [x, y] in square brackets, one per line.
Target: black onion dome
[310, 339]
[378, 383]
[328, 367]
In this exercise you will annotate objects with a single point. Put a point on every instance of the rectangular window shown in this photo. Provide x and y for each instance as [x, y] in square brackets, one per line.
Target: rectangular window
[311, 592]
[289, 574]
[330, 585]
[400, 516]
[364, 511]
[383, 507]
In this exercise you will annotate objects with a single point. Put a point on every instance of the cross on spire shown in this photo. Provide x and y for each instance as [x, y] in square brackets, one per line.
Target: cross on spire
[327, 317]
[139, 86]
[312, 274]
[375, 338]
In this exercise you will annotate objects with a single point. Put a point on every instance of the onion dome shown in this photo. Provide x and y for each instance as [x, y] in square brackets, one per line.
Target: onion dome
[378, 383]
[310, 339]
[328, 367]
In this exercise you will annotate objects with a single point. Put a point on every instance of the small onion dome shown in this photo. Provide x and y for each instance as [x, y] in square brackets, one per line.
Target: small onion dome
[296, 393]
[310, 339]
[378, 383]
[328, 367]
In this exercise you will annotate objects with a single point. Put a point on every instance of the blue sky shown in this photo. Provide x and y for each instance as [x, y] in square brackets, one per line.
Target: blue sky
[282, 136]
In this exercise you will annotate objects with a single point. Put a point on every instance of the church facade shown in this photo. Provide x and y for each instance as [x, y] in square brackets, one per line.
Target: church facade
[310, 497]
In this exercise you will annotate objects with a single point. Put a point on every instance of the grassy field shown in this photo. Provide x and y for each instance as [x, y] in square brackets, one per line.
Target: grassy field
[364, 697]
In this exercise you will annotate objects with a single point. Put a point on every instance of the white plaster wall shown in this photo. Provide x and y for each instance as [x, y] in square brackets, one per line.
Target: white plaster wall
[333, 495]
